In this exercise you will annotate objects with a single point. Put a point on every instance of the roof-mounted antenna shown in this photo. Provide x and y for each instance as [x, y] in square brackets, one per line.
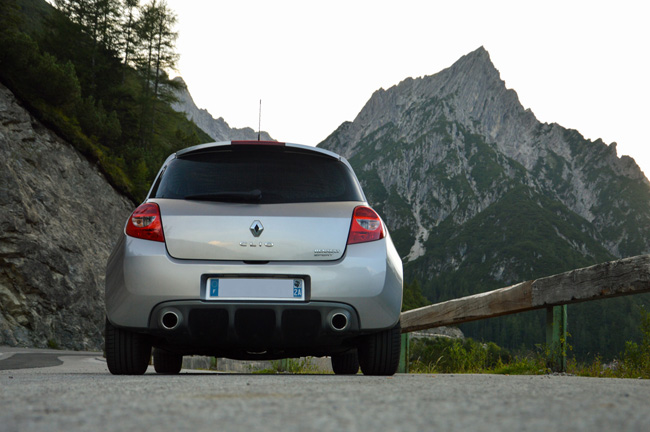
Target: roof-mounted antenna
[259, 124]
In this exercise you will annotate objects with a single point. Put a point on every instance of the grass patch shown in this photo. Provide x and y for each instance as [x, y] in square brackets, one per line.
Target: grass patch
[443, 355]
[302, 365]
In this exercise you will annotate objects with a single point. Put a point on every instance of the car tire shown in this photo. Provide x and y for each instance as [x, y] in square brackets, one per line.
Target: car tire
[127, 352]
[346, 363]
[379, 352]
[166, 362]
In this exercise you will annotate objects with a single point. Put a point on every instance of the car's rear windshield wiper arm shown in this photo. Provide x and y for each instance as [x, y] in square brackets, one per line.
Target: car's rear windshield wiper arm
[242, 197]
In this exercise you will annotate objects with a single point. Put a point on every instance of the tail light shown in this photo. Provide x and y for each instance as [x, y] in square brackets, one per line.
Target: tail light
[366, 226]
[145, 223]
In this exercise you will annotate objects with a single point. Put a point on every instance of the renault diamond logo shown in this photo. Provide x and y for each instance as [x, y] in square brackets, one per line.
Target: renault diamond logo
[257, 228]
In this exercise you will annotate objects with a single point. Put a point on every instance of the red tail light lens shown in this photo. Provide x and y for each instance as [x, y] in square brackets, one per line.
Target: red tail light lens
[366, 226]
[145, 223]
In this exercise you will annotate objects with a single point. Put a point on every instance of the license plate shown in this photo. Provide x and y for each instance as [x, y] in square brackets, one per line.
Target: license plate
[255, 289]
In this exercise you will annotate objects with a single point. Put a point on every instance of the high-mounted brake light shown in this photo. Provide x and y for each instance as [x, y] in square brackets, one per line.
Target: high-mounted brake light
[366, 226]
[145, 223]
[265, 143]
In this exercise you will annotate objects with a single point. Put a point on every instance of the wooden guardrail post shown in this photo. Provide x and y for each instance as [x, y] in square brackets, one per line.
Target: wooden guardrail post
[556, 337]
[404, 354]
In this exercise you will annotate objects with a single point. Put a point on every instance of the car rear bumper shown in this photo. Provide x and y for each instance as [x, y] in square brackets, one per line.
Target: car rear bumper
[253, 331]
[141, 276]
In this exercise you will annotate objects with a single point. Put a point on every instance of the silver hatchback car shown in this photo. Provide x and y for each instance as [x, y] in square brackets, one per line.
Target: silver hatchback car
[254, 250]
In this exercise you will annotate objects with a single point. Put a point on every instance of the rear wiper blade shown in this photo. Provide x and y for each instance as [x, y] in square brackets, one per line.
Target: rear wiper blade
[242, 197]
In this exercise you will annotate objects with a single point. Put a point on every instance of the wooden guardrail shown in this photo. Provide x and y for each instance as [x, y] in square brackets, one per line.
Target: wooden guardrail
[610, 279]
[553, 293]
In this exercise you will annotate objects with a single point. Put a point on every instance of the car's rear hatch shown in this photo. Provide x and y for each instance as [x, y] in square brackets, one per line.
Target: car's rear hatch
[255, 232]
[257, 203]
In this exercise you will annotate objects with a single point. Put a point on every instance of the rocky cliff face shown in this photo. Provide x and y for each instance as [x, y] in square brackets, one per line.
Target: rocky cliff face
[59, 219]
[218, 129]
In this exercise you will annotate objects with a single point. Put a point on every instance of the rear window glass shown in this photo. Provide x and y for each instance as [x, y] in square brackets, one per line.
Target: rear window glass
[259, 175]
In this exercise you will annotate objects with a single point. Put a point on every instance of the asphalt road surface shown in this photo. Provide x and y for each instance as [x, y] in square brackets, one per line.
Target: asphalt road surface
[46, 390]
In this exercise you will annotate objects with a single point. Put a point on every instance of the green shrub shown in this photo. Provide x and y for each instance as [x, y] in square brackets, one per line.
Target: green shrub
[636, 359]
[445, 355]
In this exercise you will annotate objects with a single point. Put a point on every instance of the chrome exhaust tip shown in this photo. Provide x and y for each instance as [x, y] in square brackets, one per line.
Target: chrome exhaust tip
[340, 320]
[170, 319]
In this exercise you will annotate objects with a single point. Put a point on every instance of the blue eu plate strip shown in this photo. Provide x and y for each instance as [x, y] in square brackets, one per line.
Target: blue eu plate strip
[214, 288]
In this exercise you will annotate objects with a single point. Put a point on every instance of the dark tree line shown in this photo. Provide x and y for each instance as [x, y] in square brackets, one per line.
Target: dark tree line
[142, 37]
[96, 71]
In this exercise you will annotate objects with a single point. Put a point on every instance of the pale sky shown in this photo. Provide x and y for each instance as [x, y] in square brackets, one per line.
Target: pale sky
[314, 64]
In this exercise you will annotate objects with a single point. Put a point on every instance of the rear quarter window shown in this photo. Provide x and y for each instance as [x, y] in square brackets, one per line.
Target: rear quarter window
[281, 175]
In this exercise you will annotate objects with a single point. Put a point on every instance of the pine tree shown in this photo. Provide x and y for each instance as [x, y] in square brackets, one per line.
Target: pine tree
[165, 54]
[99, 20]
[155, 55]
[129, 20]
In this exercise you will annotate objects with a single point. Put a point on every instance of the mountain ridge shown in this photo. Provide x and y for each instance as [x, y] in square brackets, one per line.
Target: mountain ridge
[478, 194]
[218, 129]
[472, 65]
[503, 122]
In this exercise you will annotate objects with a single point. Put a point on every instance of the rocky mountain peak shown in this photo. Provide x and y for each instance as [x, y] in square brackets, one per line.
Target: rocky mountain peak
[463, 123]
[468, 74]
[478, 194]
[468, 84]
